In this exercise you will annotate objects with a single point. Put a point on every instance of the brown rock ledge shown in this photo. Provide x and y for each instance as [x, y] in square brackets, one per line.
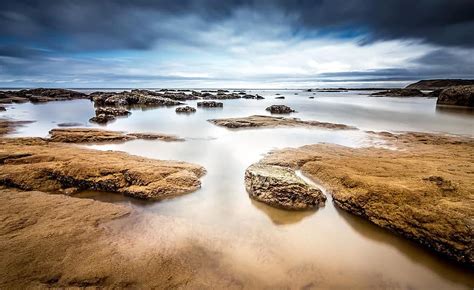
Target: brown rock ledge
[424, 192]
[35, 164]
[260, 121]
[90, 135]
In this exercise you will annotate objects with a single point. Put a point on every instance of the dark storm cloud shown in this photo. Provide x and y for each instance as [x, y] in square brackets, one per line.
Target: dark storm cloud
[67, 25]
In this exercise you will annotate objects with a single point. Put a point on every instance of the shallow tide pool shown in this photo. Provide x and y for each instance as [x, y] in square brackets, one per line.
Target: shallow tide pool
[327, 238]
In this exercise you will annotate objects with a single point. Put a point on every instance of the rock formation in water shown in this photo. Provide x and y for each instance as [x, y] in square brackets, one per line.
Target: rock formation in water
[185, 109]
[423, 191]
[210, 104]
[280, 109]
[457, 96]
[280, 187]
[439, 84]
[106, 114]
[280, 98]
[40, 95]
[260, 121]
[90, 135]
[35, 164]
[399, 93]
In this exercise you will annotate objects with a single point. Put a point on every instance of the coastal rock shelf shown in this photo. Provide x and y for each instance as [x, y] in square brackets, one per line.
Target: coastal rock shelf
[260, 121]
[89, 135]
[35, 164]
[40, 95]
[422, 191]
[280, 187]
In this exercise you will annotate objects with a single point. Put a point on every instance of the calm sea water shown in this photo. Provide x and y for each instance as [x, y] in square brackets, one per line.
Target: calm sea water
[328, 237]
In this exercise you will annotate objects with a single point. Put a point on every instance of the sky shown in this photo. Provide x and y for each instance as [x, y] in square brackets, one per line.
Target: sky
[234, 43]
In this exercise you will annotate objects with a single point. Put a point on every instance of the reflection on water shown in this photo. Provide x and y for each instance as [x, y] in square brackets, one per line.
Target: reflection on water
[327, 237]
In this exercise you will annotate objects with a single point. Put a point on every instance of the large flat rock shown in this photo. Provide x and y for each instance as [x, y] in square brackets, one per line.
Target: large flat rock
[424, 191]
[35, 164]
[260, 121]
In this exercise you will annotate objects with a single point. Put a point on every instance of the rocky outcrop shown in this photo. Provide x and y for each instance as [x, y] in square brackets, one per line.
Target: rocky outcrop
[40, 95]
[135, 98]
[280, 98]
[106, 114]
[220, 96]
[439, 84]
[259, 121]
[2, 109]
[185, 109]
[253, 97]
[210, 104]
[422, 191]
[399, 93]
[280, 187]
[90, 135]
[280, 109]
[35, 164]
[457, 96]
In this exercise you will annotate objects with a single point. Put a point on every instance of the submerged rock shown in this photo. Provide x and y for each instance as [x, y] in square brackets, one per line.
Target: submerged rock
[35, 164]
[260, 121]
[280, 109]
[139, 98]
[457, 96]
[253, 97]
[69, 124]
[185, 109]
[210, 104]
[280, 187]
[280, 98]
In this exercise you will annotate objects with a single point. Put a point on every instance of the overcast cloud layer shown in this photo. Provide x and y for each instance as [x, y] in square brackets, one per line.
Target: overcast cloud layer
[265, 44]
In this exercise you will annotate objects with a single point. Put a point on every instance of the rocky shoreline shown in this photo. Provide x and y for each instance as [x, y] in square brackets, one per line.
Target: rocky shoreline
[421, 191]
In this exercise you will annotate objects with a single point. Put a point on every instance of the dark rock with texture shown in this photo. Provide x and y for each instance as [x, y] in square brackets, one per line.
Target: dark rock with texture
[280, 109]
[185, 109]
[439, 84]
[210, 104]
[399, 93]
[40, 95]
[457, 96]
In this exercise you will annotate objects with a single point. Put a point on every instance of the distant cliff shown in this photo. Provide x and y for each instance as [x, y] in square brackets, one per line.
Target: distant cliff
[439, 84]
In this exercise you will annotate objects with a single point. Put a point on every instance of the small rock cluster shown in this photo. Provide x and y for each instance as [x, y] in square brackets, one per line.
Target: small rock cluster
[210, 104]
[104, 115]
[280, 109]
[185, 109]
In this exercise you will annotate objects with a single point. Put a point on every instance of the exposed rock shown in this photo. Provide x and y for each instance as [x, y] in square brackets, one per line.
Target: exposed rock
[90, 135]
[439, 84]
[2, 109]
[280, 98]
[106, 114]
[253, 97]
[40, 95]
[280, 187]
[69, 124]
[259, 121]
[311, 98]
[280, 109]
[210, 104]
[138, 98]
[399, 93]
[457, 96]
[35, 164]
[422, 191]
[185, 109]
[220, 96]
